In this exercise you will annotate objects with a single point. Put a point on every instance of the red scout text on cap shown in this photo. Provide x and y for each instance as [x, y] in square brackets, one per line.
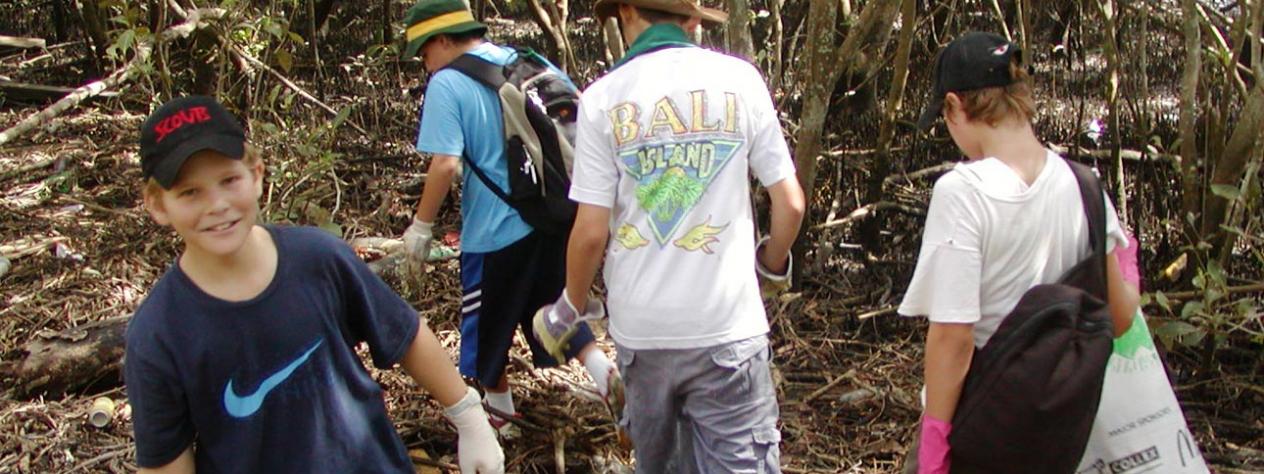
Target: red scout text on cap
[189, 116]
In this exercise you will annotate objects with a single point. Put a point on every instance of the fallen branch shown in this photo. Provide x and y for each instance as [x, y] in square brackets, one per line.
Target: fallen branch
[919, 174]
[119, 76]
[24, 169]
[28, 246]
[24, 43]
[74, 98]
[23, 92]
[851, 373]
[881, 312]
[1129, 155]
[1186, 295]
[60, 362]
[433, 463]
[868, 210]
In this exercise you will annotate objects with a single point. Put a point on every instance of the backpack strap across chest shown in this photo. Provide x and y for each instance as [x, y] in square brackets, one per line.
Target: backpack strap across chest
[1094, 201]
[493, 76]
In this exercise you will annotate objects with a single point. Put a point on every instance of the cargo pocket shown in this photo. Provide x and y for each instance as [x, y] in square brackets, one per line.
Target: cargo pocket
[767, 449]
[743, 372]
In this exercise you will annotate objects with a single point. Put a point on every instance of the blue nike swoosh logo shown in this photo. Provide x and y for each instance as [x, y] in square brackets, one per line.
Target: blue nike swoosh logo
[241, 407]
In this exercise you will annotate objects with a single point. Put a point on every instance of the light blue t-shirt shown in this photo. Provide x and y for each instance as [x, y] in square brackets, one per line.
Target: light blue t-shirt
[460, 115]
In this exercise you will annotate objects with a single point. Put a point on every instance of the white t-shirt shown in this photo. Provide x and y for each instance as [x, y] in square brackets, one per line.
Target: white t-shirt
[990, 237]
[665, 142]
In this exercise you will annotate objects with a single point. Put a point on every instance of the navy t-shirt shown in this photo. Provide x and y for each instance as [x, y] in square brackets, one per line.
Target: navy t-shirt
[272, 384]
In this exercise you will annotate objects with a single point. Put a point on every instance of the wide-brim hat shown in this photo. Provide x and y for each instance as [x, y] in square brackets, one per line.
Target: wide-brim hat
[690, 8]
[432, 17]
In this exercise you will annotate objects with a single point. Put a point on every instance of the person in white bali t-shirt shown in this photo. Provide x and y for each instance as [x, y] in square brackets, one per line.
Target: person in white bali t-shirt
[1008, 219]
[666, 144]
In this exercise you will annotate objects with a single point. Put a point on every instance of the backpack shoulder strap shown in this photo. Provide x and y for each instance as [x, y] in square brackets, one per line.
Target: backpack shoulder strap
[485, 72]
[492, 76]
[1092, 196]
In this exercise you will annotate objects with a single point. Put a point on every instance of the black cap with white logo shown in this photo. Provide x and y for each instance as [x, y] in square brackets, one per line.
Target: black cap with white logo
[182, 127]
[973, 61]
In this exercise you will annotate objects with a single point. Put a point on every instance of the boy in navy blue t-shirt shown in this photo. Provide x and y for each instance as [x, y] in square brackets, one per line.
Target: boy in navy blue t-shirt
[242, 357]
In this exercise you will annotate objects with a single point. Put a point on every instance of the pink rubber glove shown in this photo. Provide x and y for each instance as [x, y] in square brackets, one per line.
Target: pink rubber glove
[932, 452]
[1127, 258]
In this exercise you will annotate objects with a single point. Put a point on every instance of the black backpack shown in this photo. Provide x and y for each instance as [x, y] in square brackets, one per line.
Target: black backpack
[539, 107]
[1032, 392]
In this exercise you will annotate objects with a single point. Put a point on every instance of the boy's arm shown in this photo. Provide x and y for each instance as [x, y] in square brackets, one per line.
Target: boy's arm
[1121, 295]
[430, 366]
[949, 348]
[786, 216]
[435, 190]
[587, 244]
[183, 464]
[418, 236]
[428, 363]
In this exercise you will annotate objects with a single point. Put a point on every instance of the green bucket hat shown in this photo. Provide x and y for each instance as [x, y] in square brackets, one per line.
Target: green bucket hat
[431, 17]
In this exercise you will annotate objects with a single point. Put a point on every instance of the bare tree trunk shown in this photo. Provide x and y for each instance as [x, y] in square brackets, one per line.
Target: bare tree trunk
[551, 16]
[388, 34]
[614, 41]
[1110, 46]
[778, 42]
[94, 27]
[880, 166]
[59, 20]
[1229, 169]
[820, 74]
[1190, 185]
[824, 66]
[313, 40]
[1024, 27]
[1000, 19]
[737, 32]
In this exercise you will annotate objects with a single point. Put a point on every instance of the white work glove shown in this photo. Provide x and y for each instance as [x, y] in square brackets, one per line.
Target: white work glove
[770, 284]
[477, 449]
[417, 242]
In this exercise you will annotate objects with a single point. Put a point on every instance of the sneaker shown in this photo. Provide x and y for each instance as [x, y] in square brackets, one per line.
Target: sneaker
[506, 429]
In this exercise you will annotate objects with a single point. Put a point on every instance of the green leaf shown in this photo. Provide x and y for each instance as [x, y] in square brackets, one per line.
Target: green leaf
[1194, 337]
[342, 117]
[1170, 331]
[1191, 308]
[332, 228]
[284, 60]
[1162, 300]
[1212, 295]
[1226, 191]
[1247, 310]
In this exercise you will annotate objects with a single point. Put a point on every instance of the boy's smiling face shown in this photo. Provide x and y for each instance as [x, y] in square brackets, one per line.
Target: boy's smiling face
[212, 204]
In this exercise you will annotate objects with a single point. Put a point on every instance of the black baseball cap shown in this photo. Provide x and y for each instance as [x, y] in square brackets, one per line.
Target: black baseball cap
[975, 60]
[182, 127]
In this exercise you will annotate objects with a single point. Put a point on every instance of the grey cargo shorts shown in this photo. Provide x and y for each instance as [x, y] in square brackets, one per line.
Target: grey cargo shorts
[705, 410]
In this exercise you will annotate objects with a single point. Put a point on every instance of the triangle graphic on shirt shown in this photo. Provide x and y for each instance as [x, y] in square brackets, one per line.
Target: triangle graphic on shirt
[672, 177]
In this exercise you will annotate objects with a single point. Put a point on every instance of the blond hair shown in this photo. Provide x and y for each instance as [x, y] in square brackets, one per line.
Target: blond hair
[992, 105]
[252, 157]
